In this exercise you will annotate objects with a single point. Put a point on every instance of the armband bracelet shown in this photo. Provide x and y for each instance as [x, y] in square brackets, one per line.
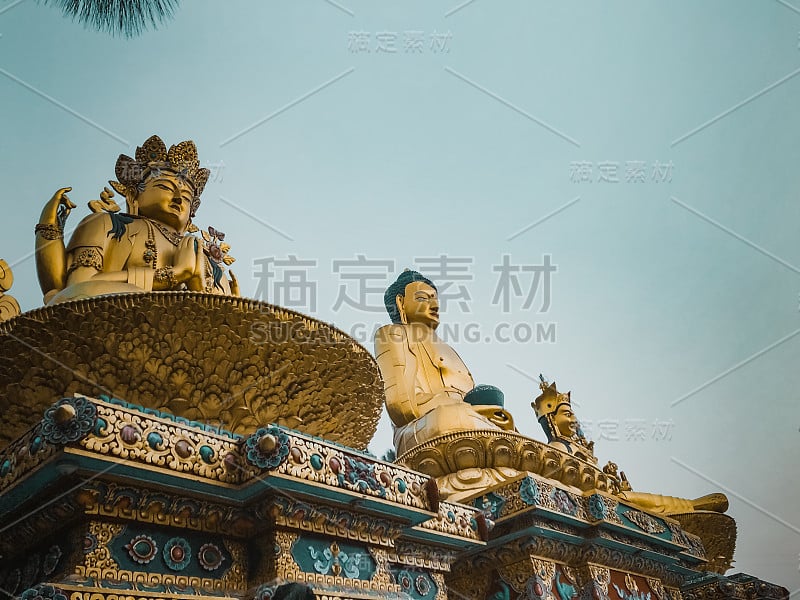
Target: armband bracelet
[49, 231]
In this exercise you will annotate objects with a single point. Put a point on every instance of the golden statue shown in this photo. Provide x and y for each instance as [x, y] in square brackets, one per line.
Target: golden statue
[147, 248]
[447, 427]
[425, 379]
[9, 307]
[554, 412]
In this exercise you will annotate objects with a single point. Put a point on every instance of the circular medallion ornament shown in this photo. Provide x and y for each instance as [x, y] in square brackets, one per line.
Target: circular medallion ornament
[177, 554]
[142, 549]
[422, 584]
[597, 507]
[68, 420]
[267, 456]
[210, 557]
[529, 491]
[89, 543]
[405, 580]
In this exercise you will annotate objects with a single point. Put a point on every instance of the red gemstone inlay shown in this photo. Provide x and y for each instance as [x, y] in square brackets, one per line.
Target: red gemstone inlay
[176, 553]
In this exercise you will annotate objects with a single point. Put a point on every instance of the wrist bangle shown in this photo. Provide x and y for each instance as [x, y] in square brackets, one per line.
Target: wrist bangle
[49, 231]
[166, 275]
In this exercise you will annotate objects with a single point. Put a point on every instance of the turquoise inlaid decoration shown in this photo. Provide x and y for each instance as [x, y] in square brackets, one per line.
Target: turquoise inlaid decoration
[597, 507]
[170, 417]
[360, 474]
[417, 584]
[339, 559]
[154, 440]
[36, 444]
[165, 551]
[267, 458]
[490, 503]
[177, 553]
[100, 426]
[316, 462]
[207, 454]
[68, 420]
[502, 594]
[529, 491]
[636, 595]
[564, 589]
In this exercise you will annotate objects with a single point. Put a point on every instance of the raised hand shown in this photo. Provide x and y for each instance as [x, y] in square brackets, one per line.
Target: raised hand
[57, 208]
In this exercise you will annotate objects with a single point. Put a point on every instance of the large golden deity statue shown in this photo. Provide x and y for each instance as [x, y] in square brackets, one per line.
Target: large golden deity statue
[426, 381]
[146, 248]
[447, 427]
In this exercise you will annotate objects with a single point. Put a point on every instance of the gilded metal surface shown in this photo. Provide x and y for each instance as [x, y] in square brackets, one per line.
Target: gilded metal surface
[718, 535]
[455, 519]
[98, 564]
[129, 434]
[331, 521]
[336, 466]
[423, 557]
[149, 247]
[194, 355]
[288, 569]
[9, 307]
[736, 587]
[479, 449]
[518, 573]
[159, 508]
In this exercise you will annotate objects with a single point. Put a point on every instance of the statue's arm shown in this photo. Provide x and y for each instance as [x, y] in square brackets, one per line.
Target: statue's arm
[86, 250]
[398, 367]
[51, 255]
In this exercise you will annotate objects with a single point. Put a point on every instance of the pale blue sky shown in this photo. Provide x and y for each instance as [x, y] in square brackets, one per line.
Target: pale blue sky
[662, 285]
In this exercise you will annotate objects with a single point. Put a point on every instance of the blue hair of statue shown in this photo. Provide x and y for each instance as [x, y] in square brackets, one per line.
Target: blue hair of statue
[398, 288]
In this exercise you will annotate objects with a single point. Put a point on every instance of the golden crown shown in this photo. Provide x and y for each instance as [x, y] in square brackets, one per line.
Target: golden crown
[153, 157]
[550, 399]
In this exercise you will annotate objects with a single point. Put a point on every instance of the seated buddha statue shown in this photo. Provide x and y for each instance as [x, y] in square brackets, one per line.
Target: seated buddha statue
[430, 393]
[146, 248]
[425, 380]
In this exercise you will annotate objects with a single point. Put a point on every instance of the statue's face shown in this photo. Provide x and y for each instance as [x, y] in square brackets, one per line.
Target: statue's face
[565, 421]
[167, 199]
[420, 304]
